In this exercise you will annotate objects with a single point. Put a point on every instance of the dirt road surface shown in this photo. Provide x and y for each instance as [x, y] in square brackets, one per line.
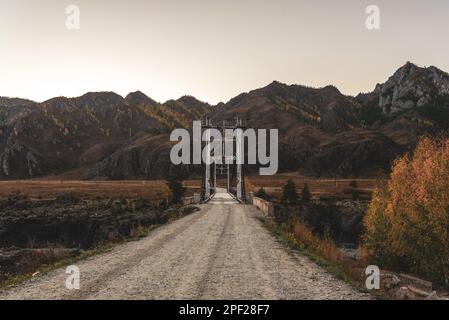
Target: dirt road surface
[219, 252]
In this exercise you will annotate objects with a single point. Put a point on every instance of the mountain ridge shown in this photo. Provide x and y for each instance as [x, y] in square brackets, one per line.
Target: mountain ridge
[322, 131]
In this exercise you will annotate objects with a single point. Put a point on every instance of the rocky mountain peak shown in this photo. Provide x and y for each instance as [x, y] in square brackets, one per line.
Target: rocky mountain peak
[138, 97]
[190, 100]
[102, 98]
[411, 87]
[331, 90]
[275, 87]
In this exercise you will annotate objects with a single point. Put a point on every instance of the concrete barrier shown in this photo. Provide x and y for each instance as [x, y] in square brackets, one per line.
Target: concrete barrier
[191, 200]
[266, 207]
[188, 200]
[196, 197]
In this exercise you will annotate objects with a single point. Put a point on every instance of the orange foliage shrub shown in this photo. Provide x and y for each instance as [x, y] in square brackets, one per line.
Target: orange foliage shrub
[323, 247]
[327, 249]
[407, 225]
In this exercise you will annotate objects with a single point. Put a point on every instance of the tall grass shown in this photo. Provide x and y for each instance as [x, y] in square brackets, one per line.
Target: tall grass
[324, 247]
[322, 251]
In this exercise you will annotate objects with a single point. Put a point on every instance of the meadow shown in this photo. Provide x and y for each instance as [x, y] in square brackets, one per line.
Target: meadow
[86, 190]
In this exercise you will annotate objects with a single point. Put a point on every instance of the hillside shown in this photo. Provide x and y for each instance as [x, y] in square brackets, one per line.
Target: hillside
[322, 131]
[65, 134]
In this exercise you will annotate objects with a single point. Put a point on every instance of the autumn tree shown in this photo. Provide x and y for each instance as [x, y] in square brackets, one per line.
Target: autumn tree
[407, 225]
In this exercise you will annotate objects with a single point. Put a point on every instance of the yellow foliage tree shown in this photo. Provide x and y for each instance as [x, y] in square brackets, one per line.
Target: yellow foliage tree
[407, 224]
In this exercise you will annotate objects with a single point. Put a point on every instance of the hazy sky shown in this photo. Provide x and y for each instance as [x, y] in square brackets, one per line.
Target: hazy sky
[212, 49]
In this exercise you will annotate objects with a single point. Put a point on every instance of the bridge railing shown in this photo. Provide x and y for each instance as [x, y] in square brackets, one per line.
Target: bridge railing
[266, 207]
[191, 200]
[187, 200]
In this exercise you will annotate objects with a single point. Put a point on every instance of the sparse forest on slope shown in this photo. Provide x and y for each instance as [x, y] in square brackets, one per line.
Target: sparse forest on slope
[322, 132]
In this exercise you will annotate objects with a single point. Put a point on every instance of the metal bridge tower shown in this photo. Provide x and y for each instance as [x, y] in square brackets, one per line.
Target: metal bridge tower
[226, 166]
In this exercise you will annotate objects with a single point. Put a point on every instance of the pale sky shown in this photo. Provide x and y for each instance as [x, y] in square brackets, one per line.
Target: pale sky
[212, 49]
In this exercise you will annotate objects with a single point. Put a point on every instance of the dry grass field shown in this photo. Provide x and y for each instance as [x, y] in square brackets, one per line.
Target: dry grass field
[318, 187]
[88, 190]
[157, 189]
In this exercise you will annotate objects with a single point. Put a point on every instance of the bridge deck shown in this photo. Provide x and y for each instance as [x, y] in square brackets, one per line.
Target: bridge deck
[222, 197]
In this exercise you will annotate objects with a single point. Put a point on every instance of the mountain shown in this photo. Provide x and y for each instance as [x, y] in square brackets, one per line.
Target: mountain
[412, 102]
[139, 98]
[288, 107]
[322, 132]
[73, 134]
[319, 129]
[147, 154]
[410, 88]
[14, 102]
[8, 105]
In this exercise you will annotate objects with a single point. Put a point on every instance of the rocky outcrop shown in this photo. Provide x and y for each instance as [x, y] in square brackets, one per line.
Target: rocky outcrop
[413, 100]
[70, 222]
[411, 87]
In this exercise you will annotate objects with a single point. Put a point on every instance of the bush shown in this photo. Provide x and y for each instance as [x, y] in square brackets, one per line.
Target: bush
[289, 194]
[326, 248]
[407, 225]
[354, 185]
[262, 194]
[177, 190]
[305, 194]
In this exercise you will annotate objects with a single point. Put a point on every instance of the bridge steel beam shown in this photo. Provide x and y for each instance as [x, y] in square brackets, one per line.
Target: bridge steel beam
[209, 187]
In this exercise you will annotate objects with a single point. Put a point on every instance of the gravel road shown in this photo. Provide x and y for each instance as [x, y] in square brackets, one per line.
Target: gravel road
[219, 252]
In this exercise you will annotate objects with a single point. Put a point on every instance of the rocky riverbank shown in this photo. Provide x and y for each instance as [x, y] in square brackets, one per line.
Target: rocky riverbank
[36, 232]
